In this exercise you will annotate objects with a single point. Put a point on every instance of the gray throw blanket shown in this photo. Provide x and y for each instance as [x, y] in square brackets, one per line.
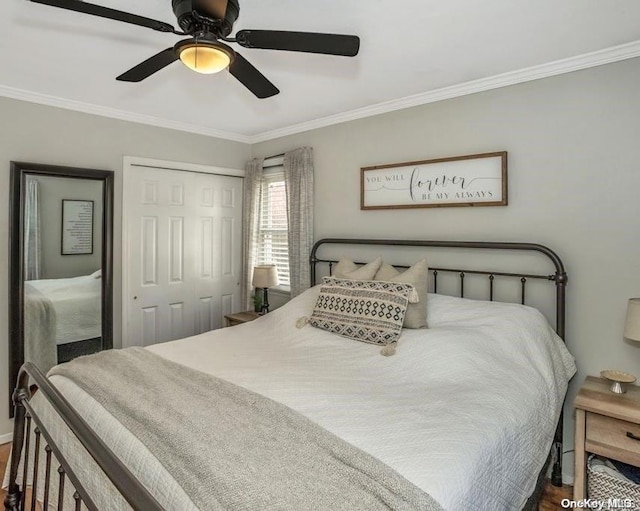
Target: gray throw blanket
[40, 326]
[230, 448]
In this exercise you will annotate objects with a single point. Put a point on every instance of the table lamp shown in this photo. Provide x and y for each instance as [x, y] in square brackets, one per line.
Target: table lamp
[632, 325]
[265, 276]
[631, 332]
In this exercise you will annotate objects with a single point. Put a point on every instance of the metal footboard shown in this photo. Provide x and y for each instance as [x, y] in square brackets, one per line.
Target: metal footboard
[29, 429]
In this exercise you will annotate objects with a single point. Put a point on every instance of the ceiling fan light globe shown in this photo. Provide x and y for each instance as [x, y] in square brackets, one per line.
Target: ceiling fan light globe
[205, 59]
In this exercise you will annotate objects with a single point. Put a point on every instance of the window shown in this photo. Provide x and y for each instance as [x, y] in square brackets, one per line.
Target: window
[273, 238]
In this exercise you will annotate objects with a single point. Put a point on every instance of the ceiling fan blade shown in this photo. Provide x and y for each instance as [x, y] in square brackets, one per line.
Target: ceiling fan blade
[251, 78]
[309, 42]
[105, 12]
[216, 7]
[149, 66]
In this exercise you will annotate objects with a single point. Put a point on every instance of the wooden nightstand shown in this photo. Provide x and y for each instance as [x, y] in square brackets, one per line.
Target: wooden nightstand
[607, 424]
[240, 317]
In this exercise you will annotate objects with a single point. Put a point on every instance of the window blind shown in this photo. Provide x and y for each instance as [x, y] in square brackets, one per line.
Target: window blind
[273, 238]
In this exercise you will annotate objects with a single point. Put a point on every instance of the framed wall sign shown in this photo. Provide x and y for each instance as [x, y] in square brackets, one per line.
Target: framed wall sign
[77, 227]
[474, 180]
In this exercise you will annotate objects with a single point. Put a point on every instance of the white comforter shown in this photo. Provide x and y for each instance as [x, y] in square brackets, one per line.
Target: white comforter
[77, 302]
[466, 410]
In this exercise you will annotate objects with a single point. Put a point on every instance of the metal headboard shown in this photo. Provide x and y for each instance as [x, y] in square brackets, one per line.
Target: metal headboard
[559, 278]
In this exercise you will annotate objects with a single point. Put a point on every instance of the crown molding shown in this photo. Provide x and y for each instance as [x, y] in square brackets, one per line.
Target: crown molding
[113, 113]
[558, 67]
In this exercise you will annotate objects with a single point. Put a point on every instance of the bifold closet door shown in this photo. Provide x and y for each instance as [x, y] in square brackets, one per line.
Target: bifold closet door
[184, 253]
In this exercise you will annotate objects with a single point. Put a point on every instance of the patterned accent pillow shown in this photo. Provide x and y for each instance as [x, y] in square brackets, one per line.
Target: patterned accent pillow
[364, 310]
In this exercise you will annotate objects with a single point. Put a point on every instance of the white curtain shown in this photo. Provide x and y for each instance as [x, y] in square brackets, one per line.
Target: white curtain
[298, 179]
[32, 240]
[251, 224]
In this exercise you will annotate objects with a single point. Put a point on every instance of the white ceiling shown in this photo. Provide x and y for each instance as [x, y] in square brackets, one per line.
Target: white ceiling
[70, 59]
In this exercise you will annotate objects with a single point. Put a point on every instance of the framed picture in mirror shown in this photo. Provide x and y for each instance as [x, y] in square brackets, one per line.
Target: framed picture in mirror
[77, 227]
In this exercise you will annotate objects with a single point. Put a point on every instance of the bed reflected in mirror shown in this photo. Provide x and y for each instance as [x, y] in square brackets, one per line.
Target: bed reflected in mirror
[60, 264]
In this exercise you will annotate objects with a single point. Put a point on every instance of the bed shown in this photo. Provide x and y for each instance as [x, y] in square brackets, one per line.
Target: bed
[447, 408]
[76, 302]
[59, 313]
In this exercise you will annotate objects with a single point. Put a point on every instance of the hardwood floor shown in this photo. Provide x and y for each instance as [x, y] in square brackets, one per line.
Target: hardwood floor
[5, 450]
[551, 496]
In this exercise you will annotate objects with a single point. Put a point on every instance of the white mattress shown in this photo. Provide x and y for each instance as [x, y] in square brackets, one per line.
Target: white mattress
[77, 302]
[465, 410]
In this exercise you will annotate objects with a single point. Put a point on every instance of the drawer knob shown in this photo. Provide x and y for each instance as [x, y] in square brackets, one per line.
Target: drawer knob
[632, 436]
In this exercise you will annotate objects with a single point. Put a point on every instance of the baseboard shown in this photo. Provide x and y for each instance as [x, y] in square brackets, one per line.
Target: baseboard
[5, 439]
[567, 468]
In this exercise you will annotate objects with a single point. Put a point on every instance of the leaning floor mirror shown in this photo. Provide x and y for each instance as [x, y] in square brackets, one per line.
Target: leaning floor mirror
[60, 304]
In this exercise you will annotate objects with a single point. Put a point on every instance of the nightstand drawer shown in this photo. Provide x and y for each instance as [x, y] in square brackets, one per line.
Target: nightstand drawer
[610, 437]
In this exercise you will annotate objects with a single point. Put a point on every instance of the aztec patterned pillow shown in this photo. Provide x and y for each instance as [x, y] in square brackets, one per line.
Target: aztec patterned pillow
[364, 310]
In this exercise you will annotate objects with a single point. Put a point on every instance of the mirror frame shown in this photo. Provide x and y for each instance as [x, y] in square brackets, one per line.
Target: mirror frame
[19, 171]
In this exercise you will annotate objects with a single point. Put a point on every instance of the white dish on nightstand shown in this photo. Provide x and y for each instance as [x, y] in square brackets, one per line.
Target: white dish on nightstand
[618, 378]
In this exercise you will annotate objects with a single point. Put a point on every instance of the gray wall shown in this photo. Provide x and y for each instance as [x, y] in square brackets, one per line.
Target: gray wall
[40, 134]
[574, 177]
[52, 191]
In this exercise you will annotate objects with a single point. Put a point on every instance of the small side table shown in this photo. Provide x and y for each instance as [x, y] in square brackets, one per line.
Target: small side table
[607, 424]
[238, 318]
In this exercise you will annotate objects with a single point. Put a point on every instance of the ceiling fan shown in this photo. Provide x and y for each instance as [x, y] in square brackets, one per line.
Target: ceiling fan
[208, 22]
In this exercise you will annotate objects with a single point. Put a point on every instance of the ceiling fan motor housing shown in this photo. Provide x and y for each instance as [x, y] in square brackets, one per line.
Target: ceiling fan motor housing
[188, 12]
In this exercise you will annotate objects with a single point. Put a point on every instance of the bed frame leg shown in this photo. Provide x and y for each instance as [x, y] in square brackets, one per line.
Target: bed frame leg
[556, 473]
[12, 501]
[13, 498]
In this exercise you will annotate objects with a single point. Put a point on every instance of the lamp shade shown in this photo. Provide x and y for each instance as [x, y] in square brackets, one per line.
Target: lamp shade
[265, 275]
[632, 325]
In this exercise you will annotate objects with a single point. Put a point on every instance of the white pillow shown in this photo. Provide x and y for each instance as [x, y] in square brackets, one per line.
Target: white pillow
[97, 274]
[416, 316]
[347, 269]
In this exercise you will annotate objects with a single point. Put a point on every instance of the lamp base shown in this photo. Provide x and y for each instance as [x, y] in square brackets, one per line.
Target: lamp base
[265, 302]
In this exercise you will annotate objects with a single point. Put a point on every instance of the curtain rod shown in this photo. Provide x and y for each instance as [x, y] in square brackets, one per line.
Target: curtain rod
[272, 166]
